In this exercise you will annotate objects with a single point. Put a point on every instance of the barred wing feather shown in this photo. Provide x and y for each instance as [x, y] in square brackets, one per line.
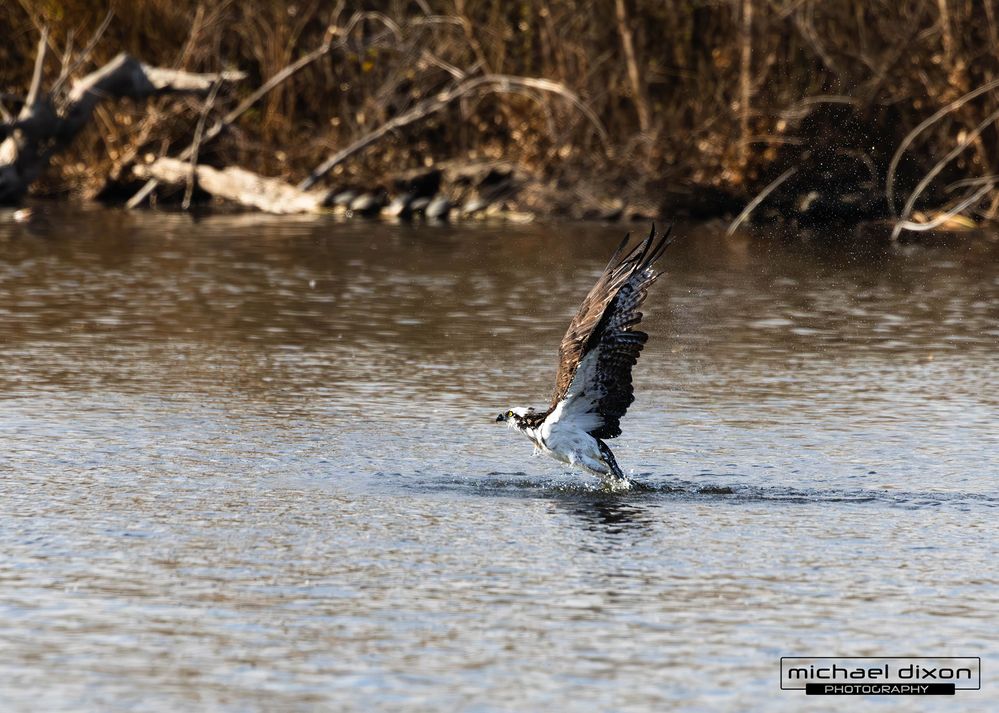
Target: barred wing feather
[601, 345]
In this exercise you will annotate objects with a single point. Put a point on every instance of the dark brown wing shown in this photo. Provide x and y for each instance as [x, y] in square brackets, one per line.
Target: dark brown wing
[605, 320]
[616, 352]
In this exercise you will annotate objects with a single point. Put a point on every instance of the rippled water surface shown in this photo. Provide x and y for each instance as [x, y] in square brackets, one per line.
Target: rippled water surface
[251, 464]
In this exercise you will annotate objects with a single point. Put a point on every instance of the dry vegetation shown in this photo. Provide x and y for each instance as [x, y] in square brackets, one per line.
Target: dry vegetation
[661, 106]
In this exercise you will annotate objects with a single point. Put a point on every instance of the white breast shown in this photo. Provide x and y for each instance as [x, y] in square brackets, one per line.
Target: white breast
[565, 433]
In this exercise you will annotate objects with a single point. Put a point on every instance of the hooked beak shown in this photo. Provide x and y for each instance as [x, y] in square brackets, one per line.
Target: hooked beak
[501, 417]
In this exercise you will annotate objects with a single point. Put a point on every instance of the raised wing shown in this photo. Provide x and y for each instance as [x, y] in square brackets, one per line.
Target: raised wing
[601, 337]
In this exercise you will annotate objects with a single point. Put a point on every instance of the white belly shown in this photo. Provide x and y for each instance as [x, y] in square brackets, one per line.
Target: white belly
[570, 445]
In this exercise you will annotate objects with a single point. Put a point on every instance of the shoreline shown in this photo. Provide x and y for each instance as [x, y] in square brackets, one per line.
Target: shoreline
[711, 115]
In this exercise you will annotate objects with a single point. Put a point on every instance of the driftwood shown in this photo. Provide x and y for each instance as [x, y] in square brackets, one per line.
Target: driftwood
[46, 123]
[190, 152]
[49, 121]
[238, 185]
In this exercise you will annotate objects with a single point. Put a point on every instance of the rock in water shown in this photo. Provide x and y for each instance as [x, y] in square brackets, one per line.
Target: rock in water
[419, 205]
[345, 198]
[475, 205]
[367, 204]
[438, 208]
[400, 207]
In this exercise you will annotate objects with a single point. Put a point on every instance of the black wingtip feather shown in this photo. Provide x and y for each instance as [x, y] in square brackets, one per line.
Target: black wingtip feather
[617, 253]
[665, 240]
[646, 246]
[629, 273]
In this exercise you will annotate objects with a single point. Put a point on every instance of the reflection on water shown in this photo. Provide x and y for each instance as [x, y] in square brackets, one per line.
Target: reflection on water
[250, 463]
[611, 517]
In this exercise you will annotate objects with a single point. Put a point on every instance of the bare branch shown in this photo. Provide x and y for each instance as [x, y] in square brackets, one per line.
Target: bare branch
[911, 136]
[431, 105]
[800, 110]
[933, 172]
[196, 144]
[36, 75]
[634, 76]
[745, 77]
[435, 61]
[67, 56]
[943, 217]
[967, 182]
[125, 76]
[761, 196]
[84, 55]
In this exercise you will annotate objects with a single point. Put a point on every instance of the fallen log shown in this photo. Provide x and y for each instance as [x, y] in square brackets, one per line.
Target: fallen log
[271, 195]
[327, 45]
[48, 123]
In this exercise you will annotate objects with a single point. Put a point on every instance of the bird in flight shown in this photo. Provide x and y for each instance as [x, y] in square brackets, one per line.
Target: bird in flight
[593, 387]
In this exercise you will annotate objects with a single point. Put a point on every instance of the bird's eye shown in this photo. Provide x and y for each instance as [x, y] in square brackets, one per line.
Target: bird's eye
[509, 414]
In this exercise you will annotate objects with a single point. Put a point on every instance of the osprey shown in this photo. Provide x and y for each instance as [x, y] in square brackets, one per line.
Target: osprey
[593, 386]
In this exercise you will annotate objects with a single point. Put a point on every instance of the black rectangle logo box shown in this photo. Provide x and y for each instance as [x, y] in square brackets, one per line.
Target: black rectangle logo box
[879, 689]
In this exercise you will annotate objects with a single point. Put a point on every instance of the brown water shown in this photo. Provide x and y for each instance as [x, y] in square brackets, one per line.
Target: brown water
[250, 464]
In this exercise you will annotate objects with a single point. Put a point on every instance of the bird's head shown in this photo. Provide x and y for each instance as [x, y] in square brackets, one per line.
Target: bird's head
[514, 418]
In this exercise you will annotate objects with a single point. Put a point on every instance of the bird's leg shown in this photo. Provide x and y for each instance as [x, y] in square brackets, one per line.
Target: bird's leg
[615, 476]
